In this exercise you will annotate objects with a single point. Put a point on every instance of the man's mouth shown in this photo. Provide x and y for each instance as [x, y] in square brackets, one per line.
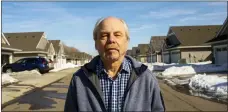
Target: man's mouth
[111, 49]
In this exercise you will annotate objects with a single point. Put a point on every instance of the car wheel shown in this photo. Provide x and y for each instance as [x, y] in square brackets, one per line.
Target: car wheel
[8, 70]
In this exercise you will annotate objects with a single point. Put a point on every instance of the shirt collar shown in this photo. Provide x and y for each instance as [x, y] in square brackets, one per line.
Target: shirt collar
[124, 66]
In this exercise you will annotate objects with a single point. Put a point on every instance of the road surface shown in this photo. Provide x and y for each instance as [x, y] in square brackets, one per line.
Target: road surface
[52, 98]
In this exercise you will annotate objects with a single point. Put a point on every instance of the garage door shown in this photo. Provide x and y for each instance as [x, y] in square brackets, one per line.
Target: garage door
[221, 55]
[175, 56]
[154, 58]
[166, 58]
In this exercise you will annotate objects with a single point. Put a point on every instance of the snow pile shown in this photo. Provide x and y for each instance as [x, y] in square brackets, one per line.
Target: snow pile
[70, 65]
[209, 85]
[6, 78]
[66, 66]
[177, 71]
[32, 72]
[201, 67]
[202, 63]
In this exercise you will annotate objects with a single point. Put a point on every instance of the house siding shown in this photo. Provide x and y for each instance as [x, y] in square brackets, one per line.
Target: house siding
[159, 58]
[42, 44]
[7, 56]
[20, 56]
[193, 55]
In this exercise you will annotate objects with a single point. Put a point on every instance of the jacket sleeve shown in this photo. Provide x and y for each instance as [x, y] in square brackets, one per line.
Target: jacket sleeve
[71, 99]
[157, 104]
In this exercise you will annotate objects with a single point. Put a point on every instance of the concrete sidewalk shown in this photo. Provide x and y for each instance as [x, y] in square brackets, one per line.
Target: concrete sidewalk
[13, 92]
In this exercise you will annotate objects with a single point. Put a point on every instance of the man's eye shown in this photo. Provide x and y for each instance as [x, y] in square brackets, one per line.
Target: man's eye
[118, 34]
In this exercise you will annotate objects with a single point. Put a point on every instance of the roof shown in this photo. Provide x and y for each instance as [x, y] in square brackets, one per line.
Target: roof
[129, 52]
[157, 42]
[222, 34]
[144, 48]
[195, 35]
[26, 41]
[55, 44]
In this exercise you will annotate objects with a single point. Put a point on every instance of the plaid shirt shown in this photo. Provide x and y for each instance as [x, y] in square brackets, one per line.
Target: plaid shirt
[113, 89]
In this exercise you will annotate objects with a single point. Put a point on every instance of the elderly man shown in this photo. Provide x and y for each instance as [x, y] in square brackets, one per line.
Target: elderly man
[113, 81]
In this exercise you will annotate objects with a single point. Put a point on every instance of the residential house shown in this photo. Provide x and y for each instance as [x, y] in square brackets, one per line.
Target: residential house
[219, 44]
[134, 53]
[129, 52]
[69, 52]
[50, 50]
[59, 57]
[142, 52]
[7, 51]
[82, 58]
[188, 43]
[156, 45]
[32, 44]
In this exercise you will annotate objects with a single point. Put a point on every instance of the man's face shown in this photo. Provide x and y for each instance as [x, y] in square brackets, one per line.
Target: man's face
[111, 41]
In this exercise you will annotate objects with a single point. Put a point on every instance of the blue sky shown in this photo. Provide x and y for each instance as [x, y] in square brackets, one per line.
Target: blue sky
[73, 22]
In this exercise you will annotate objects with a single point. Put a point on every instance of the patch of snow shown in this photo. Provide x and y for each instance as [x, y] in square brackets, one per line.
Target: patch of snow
[32, 72]
[6, 78]
[66, 66]
[177, 71]
[202, 63]
[210, 85]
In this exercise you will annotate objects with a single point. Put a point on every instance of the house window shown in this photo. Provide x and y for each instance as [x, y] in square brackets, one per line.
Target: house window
[224, 49]
[218, 49]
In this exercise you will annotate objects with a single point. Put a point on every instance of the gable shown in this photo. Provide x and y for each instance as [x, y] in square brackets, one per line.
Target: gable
[27, 41]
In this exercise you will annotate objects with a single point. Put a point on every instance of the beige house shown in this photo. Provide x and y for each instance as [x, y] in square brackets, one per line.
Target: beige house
[50, 50]
[133, 53]
[156, 45]
[141, 52]
[129, 52]
[7, 52]
[188, 43]
[59, 57]
[220, 44]
[32, 44]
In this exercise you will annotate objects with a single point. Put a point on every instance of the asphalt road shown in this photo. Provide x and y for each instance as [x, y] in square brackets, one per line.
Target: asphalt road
[52, 98]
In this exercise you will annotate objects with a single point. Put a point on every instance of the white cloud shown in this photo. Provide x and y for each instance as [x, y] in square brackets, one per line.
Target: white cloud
[217, 3]
[203, 17]
[143, 27]
[168, 13]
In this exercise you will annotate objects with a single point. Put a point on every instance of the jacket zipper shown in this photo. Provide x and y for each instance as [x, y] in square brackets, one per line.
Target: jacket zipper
[125, 94]
[103, 105]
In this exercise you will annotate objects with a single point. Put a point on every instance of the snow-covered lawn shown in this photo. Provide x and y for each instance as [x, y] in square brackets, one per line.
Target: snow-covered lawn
[13, 77]
[212, 86]
[66, 66]
[32, 72]
[6, 79]
[207, 86]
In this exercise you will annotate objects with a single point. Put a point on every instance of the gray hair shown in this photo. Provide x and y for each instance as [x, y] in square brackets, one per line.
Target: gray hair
[96, 28]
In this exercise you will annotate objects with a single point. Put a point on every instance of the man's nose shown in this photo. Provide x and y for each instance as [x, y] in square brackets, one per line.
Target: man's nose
[111, 39]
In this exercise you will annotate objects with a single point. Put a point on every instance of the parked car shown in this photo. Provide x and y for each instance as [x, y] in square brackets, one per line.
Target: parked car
[38, 63]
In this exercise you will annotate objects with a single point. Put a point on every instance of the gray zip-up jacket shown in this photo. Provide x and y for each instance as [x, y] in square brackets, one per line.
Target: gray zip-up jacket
[142, 92]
